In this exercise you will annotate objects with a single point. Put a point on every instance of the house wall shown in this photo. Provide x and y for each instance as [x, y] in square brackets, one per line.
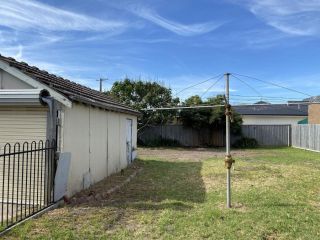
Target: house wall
[7, 81]
[271, 120]
[96, 139]
[314, 114]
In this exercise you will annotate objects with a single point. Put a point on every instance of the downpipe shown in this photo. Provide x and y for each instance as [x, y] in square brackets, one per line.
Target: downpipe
[46, 100]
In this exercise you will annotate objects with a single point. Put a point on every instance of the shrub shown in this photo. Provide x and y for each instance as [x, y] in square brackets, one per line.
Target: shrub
[246, 142]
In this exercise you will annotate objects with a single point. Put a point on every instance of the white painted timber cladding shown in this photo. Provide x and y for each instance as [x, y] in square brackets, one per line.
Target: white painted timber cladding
[96, 139]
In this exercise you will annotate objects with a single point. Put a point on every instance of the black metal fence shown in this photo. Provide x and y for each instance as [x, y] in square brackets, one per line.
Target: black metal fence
[27, 173]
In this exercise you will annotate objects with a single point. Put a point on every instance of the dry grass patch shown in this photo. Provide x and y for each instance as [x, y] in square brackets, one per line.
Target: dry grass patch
[180, 194]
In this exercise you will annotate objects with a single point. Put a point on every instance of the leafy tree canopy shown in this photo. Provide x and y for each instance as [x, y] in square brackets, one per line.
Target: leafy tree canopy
[209, 117]
[145, 94]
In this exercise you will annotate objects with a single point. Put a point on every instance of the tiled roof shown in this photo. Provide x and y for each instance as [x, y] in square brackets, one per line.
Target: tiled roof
[72, 90]
[273, 109]
[313, 99]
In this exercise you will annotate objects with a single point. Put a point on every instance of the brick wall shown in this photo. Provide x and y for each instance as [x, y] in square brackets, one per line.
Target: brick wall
[314, 114]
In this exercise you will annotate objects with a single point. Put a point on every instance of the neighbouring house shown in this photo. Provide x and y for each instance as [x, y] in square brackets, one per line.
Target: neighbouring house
[314, 113]
[272, 114]
[100, 133]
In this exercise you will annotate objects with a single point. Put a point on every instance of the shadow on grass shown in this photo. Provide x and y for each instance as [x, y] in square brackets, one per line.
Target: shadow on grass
[161, 185]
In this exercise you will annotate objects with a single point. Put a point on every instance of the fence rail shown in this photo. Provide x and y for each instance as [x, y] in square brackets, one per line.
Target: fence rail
[26, 180]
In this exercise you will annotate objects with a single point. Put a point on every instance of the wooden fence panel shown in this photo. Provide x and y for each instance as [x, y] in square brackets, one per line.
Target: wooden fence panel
[268, 135]
[186, 136]
[306, 136]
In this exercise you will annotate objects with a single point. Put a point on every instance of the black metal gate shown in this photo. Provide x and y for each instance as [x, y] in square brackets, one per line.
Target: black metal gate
[26, 180]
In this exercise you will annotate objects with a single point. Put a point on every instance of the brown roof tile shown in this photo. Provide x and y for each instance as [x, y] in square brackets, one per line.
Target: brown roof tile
[72, 90]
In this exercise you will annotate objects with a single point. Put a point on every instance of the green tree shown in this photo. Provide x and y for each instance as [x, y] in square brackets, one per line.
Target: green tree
[211, 118]
[145, 94]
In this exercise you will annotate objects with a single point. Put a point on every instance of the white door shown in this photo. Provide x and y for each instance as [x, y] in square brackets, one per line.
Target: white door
[129, 140]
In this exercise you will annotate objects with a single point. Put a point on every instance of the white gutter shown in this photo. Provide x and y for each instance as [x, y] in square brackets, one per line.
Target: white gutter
[21, 97]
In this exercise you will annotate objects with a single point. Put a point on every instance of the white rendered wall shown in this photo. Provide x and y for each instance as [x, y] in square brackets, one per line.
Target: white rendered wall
[271, 120]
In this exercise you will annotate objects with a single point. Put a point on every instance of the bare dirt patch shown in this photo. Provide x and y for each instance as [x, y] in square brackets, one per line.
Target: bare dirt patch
[103, 189]
[191, 154]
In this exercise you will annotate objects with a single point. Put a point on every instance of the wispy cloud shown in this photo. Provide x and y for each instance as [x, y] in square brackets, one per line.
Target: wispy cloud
[178, 28]
[30, 14]
[294, 17]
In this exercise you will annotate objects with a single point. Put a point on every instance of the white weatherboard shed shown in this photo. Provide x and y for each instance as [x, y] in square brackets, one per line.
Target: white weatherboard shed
[100, 133]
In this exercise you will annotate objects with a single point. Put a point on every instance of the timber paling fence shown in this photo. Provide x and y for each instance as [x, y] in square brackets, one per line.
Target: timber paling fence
[306, 136]
[266, 135]
[186, 136]
[269, 135]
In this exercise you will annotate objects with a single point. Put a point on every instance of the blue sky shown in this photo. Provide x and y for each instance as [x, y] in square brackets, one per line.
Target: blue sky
[177, 42]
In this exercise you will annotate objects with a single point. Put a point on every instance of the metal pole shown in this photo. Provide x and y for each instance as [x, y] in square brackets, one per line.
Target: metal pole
[101, 84]
[101, 80]
[228, 158]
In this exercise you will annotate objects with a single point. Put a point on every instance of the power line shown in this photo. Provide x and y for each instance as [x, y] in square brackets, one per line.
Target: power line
[199, 83]
[248, 85]
[271, 97]
[234, 105]
[169, 98]
[211, 86]
[166, 101]
[264, 99]
[183, 107]
[274, 84]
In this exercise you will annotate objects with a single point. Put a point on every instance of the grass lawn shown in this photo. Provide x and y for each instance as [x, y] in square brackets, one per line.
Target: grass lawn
[180, 194]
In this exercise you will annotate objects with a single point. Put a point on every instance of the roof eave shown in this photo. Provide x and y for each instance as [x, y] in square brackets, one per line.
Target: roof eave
[34, 83]
[106, 106]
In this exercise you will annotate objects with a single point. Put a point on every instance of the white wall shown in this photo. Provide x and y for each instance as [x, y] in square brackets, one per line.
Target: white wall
[98, 144]
[270, 120]
[7, 81]
[96, 139]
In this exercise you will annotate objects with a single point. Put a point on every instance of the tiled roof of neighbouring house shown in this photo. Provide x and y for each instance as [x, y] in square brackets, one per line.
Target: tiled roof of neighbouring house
[72, 90]
[313, 99]
[273, 109]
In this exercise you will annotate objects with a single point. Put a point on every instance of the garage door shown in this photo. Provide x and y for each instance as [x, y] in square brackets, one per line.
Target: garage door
[22, 124]
[22, 176]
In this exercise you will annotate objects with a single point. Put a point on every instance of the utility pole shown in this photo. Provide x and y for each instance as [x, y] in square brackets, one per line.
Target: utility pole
[102, 80]
[228, 159]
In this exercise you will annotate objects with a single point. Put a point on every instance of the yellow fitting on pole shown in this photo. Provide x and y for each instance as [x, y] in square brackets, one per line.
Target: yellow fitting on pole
[228, 161]
[228, 110]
